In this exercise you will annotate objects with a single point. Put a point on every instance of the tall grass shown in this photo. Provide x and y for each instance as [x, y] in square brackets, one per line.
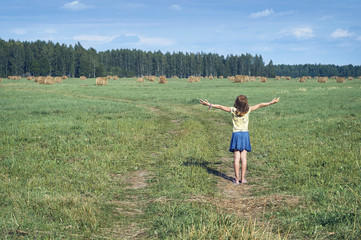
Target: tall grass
[71, 153]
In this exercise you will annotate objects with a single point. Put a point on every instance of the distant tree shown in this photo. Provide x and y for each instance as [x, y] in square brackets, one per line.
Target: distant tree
[270, 70]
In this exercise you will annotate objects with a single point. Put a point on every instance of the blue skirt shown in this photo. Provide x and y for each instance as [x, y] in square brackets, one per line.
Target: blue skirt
[240, 141]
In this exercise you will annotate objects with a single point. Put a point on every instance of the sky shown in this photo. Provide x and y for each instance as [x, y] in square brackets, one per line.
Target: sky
[284, 31]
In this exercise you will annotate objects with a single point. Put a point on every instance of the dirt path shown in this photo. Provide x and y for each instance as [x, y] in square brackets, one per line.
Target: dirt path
[130, 207]
[241, 199]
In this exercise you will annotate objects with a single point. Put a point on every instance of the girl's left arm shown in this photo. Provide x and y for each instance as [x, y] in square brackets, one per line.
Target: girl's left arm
[255, 107]
[205, 102]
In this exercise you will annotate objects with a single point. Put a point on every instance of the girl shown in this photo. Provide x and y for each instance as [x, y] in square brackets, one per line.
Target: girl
[240, 143]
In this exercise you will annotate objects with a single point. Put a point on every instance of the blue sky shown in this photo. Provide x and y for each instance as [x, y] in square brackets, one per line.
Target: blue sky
[284, 31]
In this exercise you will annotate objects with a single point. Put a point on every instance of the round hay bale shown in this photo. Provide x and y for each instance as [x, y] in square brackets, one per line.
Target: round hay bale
[340, 79]
[163, 80]
[302, 79]
[239, 79]
[140, 80]
[231, 78]
[322, 79]
[48, 81]
[82, 78]
[40, 80]
[58, 79]
[101, 81]
[65, 77]
[263, 79]
[29, 78]
[1, 80]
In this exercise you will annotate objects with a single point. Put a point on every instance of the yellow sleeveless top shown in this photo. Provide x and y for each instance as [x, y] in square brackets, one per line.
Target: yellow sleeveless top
[240, 123]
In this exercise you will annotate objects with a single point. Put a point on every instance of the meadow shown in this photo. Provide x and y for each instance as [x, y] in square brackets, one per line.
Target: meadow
[146, 161]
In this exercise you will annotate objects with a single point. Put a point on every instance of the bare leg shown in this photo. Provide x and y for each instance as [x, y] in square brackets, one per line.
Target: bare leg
[243, 156]
[237, 157]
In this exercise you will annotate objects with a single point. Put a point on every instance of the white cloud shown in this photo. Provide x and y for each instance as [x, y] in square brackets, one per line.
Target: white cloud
[339, 33]
[95, 38]
[151, 41]
[175, 7]
[326, 17]
[263, 13]
[18, 31]
[76, 6]
[50, 31]
[303, 33]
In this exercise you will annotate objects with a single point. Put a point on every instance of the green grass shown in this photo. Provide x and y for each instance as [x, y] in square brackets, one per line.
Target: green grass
[72, 157]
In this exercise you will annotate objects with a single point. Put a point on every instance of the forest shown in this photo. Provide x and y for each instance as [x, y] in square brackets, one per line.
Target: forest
[41, 58]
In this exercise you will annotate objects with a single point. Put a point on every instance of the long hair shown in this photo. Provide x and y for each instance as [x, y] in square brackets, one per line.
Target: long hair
[241, 104]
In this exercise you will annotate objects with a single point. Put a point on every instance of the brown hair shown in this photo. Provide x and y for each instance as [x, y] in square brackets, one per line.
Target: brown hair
[241, 104]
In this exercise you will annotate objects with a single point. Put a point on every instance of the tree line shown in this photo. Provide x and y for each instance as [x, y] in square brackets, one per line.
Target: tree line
[41, 58]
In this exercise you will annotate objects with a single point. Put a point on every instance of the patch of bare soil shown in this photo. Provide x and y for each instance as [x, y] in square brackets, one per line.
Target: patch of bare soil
[137, 180]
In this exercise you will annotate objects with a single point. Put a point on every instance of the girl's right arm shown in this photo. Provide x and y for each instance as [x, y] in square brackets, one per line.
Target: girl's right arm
[255, 107]
[224, 108]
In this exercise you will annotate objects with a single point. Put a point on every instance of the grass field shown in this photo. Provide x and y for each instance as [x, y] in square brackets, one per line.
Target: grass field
[145, 160]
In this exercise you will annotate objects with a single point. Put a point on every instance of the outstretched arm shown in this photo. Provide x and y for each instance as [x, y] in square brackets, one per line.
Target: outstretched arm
[205, 102]
[255, 107]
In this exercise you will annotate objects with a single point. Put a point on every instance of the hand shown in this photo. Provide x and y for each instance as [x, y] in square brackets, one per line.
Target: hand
[275, 100]
[204, 102]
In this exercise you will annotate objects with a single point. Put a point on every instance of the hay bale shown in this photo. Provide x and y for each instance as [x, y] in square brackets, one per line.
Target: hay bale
[39, 78]
[350, 78]
[175, 77]
[101, 81]
[1, 80]
[359, 77]
[65, 77]
[340, 79]
[58, 79]
[163, 79]
[140, 79]
[192, 79]
[302, 79]
[221, 77]
[231, 78]
[82, 78]
[278, 78]
[263, 79]
[333, 77]
[322, 79]
[29, 78]
[151, 78]
[239, 79]
[48, 81]
[14, 77]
